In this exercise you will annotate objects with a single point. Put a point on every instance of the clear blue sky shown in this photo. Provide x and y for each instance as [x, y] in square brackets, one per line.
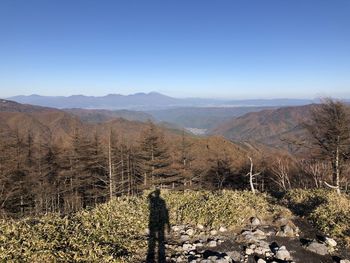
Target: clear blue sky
[182, 48]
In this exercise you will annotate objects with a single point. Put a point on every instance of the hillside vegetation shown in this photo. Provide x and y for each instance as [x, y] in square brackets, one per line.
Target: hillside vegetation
[115, 231]
[328, 211]
[266, 126]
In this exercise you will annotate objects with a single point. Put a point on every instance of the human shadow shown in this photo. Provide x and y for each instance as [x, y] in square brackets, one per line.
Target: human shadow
[158, 223]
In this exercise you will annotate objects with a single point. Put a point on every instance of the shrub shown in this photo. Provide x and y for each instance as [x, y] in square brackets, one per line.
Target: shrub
[115, 231]
[327, 210]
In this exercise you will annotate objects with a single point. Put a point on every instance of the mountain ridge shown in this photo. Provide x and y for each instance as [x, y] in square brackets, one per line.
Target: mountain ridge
[147, 101]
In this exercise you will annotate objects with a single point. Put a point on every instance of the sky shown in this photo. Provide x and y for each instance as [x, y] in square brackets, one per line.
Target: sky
[183, 48]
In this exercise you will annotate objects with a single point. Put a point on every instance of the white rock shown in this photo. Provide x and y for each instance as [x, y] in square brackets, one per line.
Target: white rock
[255, 221]
[200, 227]
[249, 251]
[222, 229]
[330, 242]
[260, 260]
[344, 261]
[184, 237]
[213, 232]
[176, 228]
[188, 246]
[212, 243]
[190, 232]
[198, 243]
[282, 253]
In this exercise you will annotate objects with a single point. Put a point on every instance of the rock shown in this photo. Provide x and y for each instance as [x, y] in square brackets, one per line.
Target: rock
[190, 232]
[317, 248]
[260, 260]
[234, 255]
[184, 238]
[176, 228]
[213, 232]
[200, 227]
[330, 242]
[344, 261]
[222, 260]
[282, 253]
[222, 229]
[281, 221]
[252, 246]
[188, 247]
[213, 258]
[288, 230]
[255, 221]
[249, 251]
[259, 234]
[262, 250]
[198, 243]
[212, 243]
[202, 234]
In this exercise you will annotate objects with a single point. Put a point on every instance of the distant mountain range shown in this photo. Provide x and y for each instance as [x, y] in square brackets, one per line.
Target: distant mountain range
[147, 101]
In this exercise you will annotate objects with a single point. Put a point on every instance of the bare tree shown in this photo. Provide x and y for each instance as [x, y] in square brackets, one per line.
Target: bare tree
[329, 130]
[316, 169]
[252, 175]
[280, 170]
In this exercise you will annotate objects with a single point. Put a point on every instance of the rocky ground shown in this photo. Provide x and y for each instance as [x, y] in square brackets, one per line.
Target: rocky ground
[282, 240]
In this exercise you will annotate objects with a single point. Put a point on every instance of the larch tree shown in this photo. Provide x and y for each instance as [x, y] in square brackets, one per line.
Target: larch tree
[154, 156]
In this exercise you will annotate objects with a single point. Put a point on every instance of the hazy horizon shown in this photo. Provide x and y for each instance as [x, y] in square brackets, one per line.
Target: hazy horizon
[179, 97]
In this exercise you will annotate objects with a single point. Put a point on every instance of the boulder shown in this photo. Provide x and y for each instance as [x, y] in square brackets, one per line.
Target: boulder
[234, 255]
[190, 232]
[185, 237]
[213, 232]
[318, 248]
[254, 221]
[288, 230]
[222, 229]
[200, 227]
[282, 253]
[330, 242]
[249, 251]
[212, 243]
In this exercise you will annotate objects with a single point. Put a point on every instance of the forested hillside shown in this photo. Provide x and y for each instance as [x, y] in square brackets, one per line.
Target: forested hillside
[53, 161]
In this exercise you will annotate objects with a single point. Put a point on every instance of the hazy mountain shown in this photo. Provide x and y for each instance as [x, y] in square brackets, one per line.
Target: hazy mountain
[201, 117]
[145, 101]
[97, 116]
[267, 126]
[111, 101]
[12, 106]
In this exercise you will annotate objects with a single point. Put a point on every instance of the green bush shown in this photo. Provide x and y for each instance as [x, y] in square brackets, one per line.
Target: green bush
[326, 209]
